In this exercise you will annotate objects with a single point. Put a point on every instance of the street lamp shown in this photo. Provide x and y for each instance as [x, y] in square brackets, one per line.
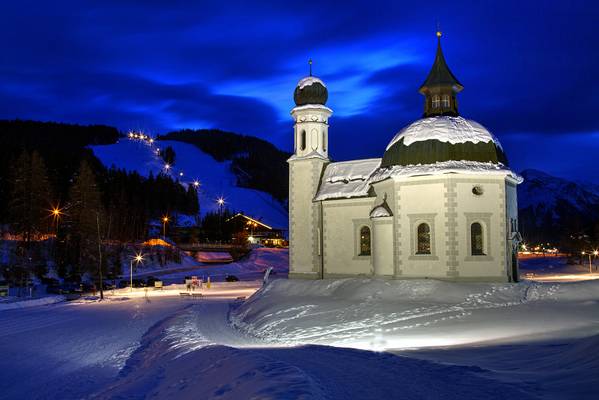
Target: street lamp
[221, 202]
[165, 219]
[138, 258]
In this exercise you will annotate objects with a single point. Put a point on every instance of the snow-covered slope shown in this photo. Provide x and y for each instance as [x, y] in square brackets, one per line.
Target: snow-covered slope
[215, 177]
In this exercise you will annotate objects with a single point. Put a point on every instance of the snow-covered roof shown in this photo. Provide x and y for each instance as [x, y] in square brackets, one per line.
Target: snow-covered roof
[381, 211]
[347, 179]
[444, 129]
[445, 167]
[309, 81]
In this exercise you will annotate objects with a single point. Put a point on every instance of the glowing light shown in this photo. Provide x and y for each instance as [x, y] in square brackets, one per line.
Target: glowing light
[165, 219]
[151, 140]
[180, 173]
[220, 201]
[167, 166]
[138, 258]
[596, 252]
[196, 183]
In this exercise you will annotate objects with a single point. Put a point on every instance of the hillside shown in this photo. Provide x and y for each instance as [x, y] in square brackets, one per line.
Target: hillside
[216, 178]
[256, 163]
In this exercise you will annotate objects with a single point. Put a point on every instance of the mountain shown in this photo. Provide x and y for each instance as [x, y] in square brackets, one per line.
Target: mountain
[553, 209]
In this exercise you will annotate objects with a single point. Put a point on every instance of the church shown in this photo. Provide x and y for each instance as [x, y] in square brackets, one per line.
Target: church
[441, 203]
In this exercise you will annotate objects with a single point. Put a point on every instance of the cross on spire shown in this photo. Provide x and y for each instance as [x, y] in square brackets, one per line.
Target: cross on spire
[310, 63]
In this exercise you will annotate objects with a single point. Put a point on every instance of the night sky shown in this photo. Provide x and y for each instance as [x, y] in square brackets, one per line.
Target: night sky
[530, 69]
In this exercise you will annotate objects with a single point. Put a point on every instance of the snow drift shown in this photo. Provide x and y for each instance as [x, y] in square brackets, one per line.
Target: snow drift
[382, 314]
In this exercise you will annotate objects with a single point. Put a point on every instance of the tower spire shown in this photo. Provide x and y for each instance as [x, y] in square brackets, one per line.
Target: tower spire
[310, 63]
[440, 87]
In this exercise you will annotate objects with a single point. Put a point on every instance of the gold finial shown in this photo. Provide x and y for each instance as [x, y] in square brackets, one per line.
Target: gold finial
[310, 62]
[439, 34]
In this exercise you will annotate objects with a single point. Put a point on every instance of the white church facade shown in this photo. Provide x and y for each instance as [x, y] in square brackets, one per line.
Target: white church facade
[441, 203]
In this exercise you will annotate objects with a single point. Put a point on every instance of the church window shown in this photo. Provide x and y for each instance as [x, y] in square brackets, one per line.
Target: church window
[324, 141]
[476, 239]
[436, 101]
[364, 241]
[446, 101]
[423, 237]
[303, 140]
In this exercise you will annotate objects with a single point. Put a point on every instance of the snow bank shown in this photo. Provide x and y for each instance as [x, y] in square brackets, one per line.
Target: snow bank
[444, 129]
[176, 359]
[381, 314]
[42, 301]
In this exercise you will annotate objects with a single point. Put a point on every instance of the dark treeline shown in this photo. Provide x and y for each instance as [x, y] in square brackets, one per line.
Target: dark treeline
[257, 163]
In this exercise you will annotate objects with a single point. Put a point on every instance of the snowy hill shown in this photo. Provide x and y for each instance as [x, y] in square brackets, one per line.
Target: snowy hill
[215, 178]
[551, 207]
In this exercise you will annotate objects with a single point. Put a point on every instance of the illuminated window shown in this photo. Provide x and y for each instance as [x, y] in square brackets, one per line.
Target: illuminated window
[445, 101]
[303, 140]
[476, 239]
[365, 241]
[436, 101]
[423, 236]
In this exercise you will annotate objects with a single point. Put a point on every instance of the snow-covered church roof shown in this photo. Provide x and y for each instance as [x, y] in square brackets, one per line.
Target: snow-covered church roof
[444, 129]
[443, 138]
[347, 179]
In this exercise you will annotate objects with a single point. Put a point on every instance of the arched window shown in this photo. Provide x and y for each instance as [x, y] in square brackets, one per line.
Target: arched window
[364, 241]
[424, 239]
[436, 101]
[324, 141]
[476, 240]
[445, 101]
[303, 140]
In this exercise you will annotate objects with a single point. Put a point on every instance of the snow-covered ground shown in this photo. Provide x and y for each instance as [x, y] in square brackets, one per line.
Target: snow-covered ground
[216, 179]
[309, 340]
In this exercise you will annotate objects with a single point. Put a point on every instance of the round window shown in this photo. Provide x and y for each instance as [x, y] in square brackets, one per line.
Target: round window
[477, 190]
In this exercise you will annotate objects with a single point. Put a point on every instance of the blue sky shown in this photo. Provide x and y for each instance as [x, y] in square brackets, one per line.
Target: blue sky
[529, 69]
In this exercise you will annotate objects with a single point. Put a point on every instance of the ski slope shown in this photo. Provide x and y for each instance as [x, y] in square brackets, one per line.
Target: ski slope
[216, 179]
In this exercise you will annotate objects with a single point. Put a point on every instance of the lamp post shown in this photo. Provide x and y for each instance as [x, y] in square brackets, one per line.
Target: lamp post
[138, 258]
[221, 202]
[165, 219]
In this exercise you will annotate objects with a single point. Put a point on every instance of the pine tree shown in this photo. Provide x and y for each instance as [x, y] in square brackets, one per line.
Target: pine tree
[85, 210]
[31, 197]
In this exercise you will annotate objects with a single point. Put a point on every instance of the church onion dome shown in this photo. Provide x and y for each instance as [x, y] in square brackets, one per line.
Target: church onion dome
[443, 138]
[310, 90]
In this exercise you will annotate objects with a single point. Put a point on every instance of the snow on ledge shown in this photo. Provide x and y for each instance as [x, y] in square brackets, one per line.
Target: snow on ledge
[309, 81]
[445, 167]
[444, 129]
[311, 107]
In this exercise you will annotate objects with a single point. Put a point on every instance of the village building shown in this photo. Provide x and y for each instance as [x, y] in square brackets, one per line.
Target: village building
[441, 202]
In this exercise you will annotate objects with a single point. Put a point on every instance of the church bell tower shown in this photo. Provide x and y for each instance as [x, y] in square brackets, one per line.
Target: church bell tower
[310, 156]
